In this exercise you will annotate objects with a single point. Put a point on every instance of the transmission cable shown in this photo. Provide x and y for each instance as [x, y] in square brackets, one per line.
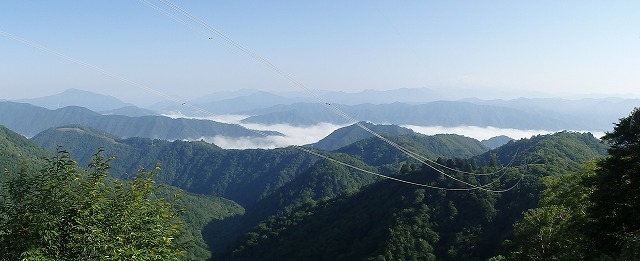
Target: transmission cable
[319, 99]
[171, 98]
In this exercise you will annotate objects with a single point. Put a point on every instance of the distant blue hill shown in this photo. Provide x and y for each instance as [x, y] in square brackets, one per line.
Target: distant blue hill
[29, 120]
[76, 97]
[225, 103]
[131, 111]
[440, 113]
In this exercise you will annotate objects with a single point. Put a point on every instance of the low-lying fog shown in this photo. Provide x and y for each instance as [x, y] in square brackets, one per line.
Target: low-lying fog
[302, 135]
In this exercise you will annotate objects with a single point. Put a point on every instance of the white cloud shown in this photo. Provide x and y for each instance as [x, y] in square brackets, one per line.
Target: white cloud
[302, 135]
[293, 135]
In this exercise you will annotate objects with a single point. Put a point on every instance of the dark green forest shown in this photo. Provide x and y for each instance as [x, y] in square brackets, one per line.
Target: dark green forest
[560, 196]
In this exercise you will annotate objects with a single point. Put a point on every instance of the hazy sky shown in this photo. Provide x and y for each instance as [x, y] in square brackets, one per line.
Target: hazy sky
[561, 47]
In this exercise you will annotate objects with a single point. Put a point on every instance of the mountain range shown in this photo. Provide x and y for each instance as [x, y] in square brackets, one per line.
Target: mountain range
[406, 107]
[76, 97]
[349, 196]
[284, 194]
[440, 113]
[29, 120]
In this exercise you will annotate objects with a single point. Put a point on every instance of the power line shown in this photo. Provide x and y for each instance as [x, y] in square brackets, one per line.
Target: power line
[149, 89]
[319, 99]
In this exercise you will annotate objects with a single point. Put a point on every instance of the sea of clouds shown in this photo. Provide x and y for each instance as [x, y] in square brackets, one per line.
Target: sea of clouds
[303, 135]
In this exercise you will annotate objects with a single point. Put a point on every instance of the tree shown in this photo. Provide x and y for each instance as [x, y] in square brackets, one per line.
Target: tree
[555, 230]
[65, 213]
[616, 197]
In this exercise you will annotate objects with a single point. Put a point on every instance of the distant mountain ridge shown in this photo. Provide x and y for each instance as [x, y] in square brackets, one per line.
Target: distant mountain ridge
[449, 107]
[440, 113]
[593, 114]
[236, 102]
[131, 111]
[29, 120]
[75, 97]
[226, 103]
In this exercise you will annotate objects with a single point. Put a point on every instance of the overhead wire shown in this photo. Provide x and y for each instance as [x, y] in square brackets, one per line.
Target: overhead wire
[282, 73]
[319, 99]
[161, 94]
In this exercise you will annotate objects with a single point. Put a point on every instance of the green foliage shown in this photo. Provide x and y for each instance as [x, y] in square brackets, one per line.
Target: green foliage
[200, 210]
[16, 150]
[555, 230]
[616, 196]
[64, 213]
[385, 221]
[290, 196]
[589, 214]
[323, 181]
[551, 154]
[376, 152]
[392, 221]
[244, 176]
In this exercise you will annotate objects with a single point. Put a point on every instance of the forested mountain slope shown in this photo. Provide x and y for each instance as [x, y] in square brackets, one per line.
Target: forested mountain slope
[352, 133]
[322, 181]
[288, 194]
[377, 152]
[200, 210]
[16, 150]
[29, 120]
[244, 176]
[389, 220]
[556, 153]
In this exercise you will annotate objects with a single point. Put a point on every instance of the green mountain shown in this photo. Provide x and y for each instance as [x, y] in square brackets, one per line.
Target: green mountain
[30, 120]
[389, 220]
[377, 152]
[549, 154]
[288, 196]
[16, 150]
[352, 133]
[200, 210]
[244, 176]
[322, 181]
[265, 182]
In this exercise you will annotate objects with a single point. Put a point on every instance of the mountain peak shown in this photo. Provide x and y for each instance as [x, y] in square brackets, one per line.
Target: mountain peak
[77, 97]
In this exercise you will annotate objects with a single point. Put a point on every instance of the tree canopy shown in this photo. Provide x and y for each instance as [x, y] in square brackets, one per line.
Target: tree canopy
[590, 214]
[616, 196]
[63, 212]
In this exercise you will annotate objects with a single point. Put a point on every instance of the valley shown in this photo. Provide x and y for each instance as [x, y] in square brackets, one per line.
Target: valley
[247, 204]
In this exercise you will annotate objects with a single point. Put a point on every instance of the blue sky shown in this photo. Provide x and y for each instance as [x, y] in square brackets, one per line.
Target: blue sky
[556, 47]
